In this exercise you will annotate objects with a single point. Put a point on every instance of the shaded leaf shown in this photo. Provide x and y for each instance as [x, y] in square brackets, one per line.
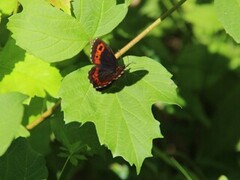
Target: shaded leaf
[122, 114]
[9, 56]
[225, 125]
[21, 162]
[75, 137]
[40, 138]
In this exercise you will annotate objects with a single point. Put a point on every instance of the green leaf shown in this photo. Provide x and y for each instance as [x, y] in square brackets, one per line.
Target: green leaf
[52, 36]
[40, 138]
[30, 76]
[64, 5]
[151, 9]
[8, 6]
[71, 134]
[225, 124]
[11, 113]
[128, 2]
[203, 19]
[9, 56]
[21, 162]
[99, 17]
[228, 13]
[122, 114]
[22, 132]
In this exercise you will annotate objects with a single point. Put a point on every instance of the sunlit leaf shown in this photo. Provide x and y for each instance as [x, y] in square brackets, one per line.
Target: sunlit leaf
[8, 6]
[52, 36]
[26, 74]
[122, 114]
[99, 17]
[228, 13]
[11, 113]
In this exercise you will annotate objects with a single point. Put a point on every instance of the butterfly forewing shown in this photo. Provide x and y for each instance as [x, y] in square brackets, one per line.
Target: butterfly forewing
[102, 55]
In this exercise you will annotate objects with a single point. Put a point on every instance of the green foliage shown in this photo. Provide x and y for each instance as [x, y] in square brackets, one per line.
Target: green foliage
[11, 115]
[117, 133]
[7, 7]
[207, 24]
[36, 77]
[228, 12]
[96, 17]
[25, 163]
[54, 36]
[122, 130]
[47, 35]
[75, 137]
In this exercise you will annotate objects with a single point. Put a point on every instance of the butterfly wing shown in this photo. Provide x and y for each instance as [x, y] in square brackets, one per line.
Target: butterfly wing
[100, 77]
[106, 67]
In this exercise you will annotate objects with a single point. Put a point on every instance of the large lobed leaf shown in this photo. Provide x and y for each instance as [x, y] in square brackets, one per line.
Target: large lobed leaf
[228, 14]
[54, 35]
[47, 32]
[11, 113]
[122, 113]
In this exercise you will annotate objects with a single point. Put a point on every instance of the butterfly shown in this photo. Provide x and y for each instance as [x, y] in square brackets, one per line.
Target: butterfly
[106, 67]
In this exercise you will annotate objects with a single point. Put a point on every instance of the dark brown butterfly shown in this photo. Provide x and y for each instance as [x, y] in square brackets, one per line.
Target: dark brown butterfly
[106, 67]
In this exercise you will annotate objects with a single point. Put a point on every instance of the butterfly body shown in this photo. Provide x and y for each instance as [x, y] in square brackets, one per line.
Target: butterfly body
[106, 67]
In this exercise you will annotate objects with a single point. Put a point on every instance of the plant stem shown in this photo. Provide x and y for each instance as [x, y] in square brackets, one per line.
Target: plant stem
[148, 29]
[43, 116]
[64, 166]
[181, 169]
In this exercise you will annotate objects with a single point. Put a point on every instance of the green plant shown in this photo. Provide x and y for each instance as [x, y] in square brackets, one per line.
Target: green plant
[44, 57]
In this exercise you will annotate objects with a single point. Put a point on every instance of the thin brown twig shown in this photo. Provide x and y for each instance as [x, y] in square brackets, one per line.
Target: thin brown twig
[146, 31]
[43, 116]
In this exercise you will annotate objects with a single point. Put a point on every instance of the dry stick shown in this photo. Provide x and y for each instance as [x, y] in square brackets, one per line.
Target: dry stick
[43, 116]
[50, 111]
[146, 31]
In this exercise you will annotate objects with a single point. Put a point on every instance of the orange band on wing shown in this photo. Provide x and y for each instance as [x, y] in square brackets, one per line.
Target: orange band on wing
[100, 48]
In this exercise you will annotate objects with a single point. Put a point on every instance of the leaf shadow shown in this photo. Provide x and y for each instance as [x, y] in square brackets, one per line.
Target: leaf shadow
[11, 54]
[128, 79]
